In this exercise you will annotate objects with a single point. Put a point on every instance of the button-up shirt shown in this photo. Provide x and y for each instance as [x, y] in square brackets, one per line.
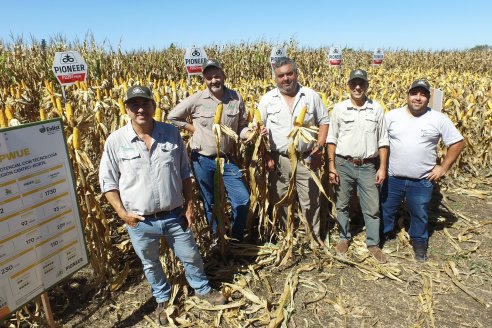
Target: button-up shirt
[279, 119]
[201, 107]
[148, 181]
[358, 133]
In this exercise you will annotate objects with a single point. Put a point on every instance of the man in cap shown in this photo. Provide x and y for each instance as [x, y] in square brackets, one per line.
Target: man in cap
[357, 144]
[144, 174]
[201, 108]
[279, 109]
[414, 132]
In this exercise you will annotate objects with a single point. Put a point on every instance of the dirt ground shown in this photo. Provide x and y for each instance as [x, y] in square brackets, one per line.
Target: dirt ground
[319, 289]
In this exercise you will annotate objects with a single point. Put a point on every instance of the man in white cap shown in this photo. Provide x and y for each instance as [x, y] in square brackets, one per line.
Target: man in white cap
[358, 151]
[414, 132]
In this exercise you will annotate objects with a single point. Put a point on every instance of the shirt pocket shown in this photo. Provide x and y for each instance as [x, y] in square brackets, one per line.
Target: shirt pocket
[206, 117]
[430, 133]
[231, 116]
[131, 160]
[370, 123]
[168, 153]
[347, 121]
[273, 115]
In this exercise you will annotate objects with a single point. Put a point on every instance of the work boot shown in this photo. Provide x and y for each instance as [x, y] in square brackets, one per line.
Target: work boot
[215, 297]
[420, 250]
[342, 247]
[377, 253]
[160, 313]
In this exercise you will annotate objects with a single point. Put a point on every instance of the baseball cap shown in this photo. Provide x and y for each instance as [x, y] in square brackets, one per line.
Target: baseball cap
[210, 63]
[138, 91]
[420, 83]
[358, 74]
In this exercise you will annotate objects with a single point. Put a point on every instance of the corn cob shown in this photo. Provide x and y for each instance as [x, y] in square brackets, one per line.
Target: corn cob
[300, 118]
[218, 113]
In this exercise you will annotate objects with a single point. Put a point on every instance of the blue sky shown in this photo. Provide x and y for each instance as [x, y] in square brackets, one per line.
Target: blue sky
[427, 25]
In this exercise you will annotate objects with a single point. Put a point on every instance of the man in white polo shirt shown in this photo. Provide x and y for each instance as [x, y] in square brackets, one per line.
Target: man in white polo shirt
[414, 132]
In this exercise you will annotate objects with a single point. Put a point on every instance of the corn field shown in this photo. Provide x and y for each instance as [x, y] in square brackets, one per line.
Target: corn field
[29, 92]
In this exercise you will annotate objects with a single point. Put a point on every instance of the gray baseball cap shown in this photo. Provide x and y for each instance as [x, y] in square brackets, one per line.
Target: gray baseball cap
[420, 83]
[138, 91]
[358, 74]
[210, 63]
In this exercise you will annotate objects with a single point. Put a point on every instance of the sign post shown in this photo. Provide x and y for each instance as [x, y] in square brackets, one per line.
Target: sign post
[41, 235]
[193, 60]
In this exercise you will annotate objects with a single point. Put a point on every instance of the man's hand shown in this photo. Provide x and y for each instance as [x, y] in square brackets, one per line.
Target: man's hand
[316, 158]
[333, 176]
[437, 173]
[263, 131]
[131, 219]
[269, 162]
[380, 176]
[188, 213]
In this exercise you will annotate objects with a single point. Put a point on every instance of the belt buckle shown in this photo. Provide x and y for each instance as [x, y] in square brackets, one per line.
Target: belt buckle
[357, 161]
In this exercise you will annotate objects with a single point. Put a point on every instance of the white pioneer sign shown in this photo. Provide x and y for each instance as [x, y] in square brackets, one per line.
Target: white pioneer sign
[335, 56]
[69, 67]
[377, 57]
[277, 52]
[41, 236]
[194, 59]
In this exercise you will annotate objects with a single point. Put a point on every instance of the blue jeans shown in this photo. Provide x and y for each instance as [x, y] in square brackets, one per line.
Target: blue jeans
[418, 193]
[145, 240]
[204, 169]
[364, 178]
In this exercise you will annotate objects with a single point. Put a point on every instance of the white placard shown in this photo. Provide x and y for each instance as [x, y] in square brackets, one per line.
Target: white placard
[335, 56]
[41, 235]
[436, 98]
[194, 59]
[377, 56]
[69, 67]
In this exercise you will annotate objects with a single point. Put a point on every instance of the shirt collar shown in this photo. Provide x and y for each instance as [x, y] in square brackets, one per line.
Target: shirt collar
[227, 94]
[131, 135]
[367, 105]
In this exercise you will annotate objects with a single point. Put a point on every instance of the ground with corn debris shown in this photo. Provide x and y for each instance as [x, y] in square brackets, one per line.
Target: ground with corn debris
[453, 289]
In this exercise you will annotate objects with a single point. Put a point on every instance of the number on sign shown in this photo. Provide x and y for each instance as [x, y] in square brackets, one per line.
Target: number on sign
[7, 269]
[50, 192]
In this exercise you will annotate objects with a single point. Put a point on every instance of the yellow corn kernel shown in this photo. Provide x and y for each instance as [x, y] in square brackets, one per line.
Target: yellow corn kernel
[300, 119]
[158, 114]
[122, 106]
[58, 106]
[42, 114]
[251, 112]
[218, 113]
[258, 117]
[69, 111]
[99, 116]
[76, 138]
[9, 113]
[98, 94]
[3, 119]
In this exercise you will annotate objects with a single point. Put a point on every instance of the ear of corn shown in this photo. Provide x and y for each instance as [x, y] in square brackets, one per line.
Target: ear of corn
[218, 113]
[69, 111]
[300, 118]
[76, 138]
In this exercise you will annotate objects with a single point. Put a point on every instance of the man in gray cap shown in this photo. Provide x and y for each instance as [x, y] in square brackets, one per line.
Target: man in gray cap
[201, 108]
[144, 174]
[414, 132]
[358, 152]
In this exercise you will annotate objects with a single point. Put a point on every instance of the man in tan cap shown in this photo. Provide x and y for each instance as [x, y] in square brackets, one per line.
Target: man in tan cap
[357, 142]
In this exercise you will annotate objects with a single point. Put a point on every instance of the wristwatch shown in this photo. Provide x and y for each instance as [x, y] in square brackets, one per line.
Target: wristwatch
[318, 147]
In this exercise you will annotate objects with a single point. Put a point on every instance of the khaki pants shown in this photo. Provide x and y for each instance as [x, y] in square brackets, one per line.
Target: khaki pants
[307, 191]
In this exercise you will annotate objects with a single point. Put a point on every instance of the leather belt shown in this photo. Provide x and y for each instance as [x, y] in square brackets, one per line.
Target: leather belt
[358, 161]
[156, 215]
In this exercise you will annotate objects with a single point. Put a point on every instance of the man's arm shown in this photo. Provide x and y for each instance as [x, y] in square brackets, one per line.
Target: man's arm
[113, 197]
[188, 198]
[332, 170]
[179, 114]
[383, 165]
[451, 156]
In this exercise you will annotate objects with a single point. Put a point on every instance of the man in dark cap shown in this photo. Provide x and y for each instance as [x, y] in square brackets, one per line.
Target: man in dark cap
[201, 108]
[357, 144]
[145, 176]
[414, 132]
